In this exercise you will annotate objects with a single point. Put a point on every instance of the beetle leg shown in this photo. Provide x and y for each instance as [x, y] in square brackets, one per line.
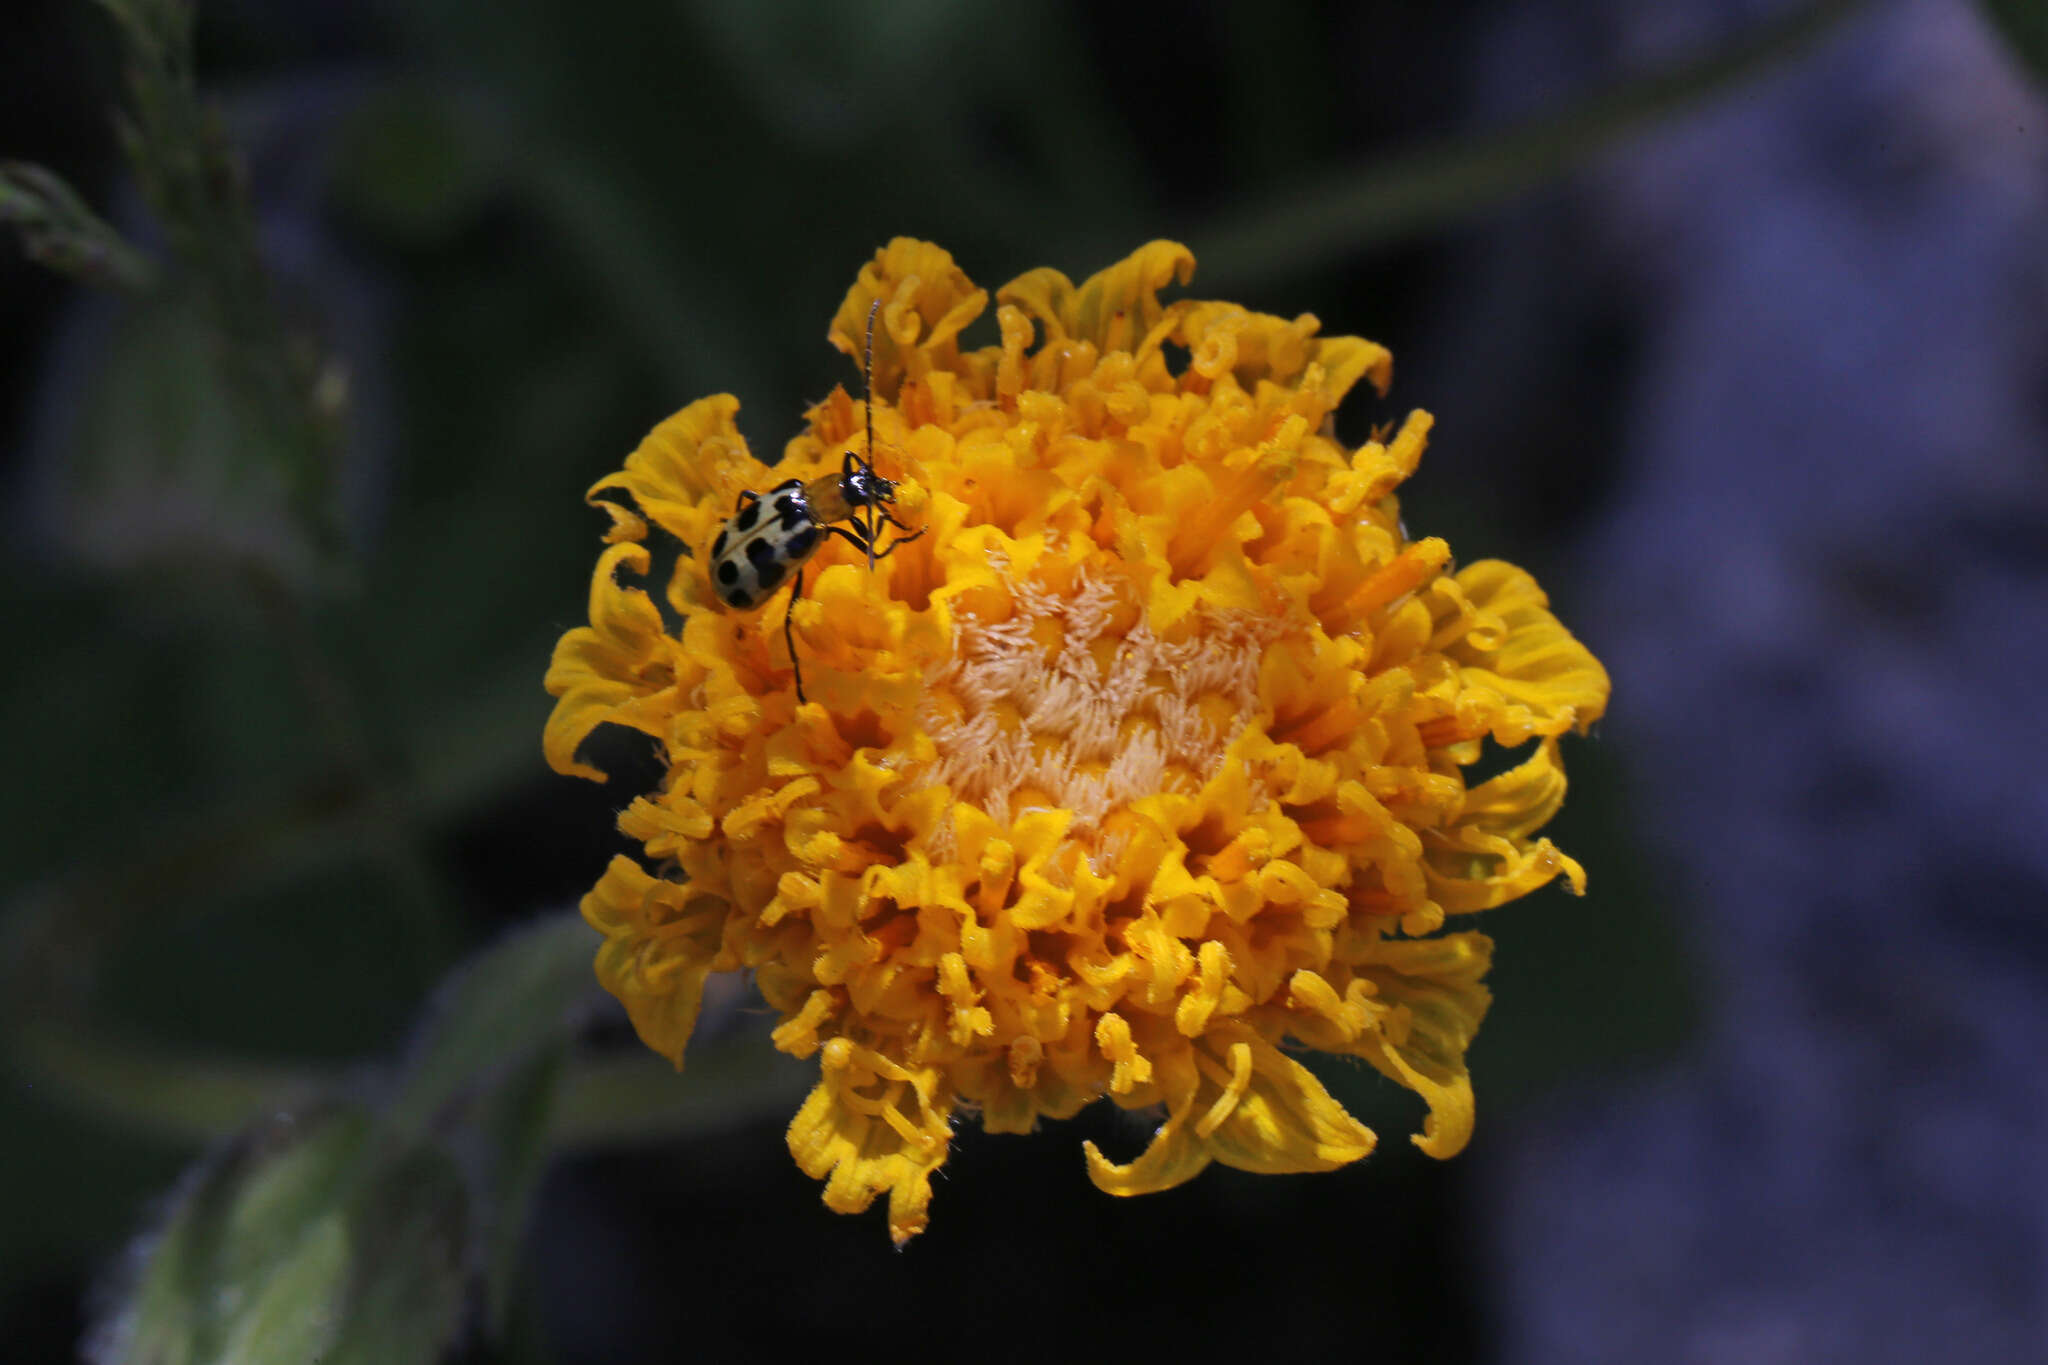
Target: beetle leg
[854, 538]
[884, 554]
[789, 636]
[857, 537]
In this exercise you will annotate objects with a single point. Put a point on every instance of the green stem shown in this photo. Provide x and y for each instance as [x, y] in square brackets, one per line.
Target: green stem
[168, 1093]
[193, 1097]
[1435, 184]
[197, 189]
[523, 996]
[641, 1098]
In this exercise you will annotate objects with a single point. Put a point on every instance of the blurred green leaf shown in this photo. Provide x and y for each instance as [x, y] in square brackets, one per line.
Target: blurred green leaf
[249, 1230]
[514, 1126]
[406, 1287]
[288, 1317]
[59, 231]
[513, 998]
[2024, 25]
[309, 1238]
[158, 31]
[289, 397]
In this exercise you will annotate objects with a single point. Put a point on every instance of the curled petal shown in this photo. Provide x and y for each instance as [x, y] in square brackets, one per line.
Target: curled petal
[1435, 1001]
[687, 472]
[872, 1126]
[619, 669]
[1346, 360]
[926, 301]
[660, 938]
[1259, 347]
[1500, 875]
[1485, 856]
[1239, 1100]
[1527, 674]
[1283, 1120]
[1113, 309]
[1518, 802]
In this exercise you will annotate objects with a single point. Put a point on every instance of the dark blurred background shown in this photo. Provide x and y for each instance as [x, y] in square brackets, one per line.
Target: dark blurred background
[1759, 392]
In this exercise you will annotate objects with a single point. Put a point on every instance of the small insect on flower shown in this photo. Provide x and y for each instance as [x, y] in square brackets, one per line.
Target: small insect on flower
[772, 536]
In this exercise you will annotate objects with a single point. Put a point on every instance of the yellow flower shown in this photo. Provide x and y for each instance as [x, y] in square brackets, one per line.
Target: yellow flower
[1146, 759]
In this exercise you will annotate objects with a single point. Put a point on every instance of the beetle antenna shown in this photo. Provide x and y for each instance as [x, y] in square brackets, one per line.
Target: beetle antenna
[868, 377]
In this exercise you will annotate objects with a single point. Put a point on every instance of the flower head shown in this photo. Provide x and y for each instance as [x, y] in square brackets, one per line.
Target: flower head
[1144, 762]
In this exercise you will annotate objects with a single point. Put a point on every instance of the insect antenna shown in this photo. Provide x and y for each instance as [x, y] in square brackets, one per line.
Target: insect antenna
[868, 377]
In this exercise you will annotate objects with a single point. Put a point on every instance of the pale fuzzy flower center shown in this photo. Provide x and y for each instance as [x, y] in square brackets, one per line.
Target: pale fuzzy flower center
[1078, 726]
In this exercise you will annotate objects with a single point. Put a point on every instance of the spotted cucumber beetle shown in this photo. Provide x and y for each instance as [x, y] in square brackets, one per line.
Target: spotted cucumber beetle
[773, 535]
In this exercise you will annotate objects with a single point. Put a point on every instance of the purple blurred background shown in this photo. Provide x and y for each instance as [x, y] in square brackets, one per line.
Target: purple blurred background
[1821, 582]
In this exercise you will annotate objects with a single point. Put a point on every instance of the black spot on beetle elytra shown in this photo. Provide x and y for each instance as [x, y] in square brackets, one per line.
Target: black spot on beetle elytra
[771, 574]
[718, 546]
[790, 510]
[800, 543]
[748, 516]
[728, 573]
[760, 553]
